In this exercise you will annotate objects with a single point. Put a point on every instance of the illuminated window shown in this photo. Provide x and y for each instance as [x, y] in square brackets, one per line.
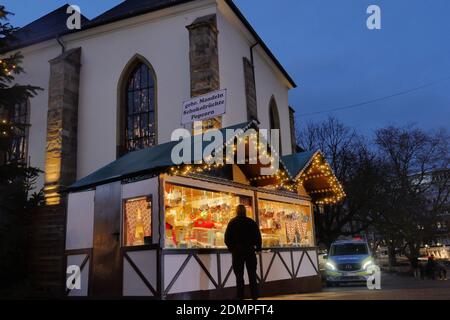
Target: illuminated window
[140, 131]
[285, 224]
[197, 218]
[17, 151]
[137, 112]
[137, 222]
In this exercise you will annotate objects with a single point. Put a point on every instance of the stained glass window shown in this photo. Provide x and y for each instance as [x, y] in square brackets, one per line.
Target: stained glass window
[140, 109]
[19, 143]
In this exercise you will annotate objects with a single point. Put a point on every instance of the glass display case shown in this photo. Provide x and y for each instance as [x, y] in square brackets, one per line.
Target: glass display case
[285, 224]
[197, 218]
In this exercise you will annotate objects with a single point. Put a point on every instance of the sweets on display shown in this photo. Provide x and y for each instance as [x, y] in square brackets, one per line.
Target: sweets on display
[199, 217]
[284, 224]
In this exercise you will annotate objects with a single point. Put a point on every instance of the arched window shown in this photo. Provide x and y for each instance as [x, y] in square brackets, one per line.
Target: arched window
[138, 108]
[18, 147]
[274, 118]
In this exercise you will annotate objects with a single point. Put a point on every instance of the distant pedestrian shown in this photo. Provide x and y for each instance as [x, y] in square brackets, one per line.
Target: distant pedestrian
[243, 239]
[435, 269]
[415, 266]
[441, 271]
[430, 268]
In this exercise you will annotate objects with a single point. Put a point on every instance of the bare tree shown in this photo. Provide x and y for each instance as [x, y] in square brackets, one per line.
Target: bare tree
[355, 166]
[416, 184]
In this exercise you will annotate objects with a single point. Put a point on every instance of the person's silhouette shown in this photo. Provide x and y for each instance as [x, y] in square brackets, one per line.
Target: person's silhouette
[243, 239]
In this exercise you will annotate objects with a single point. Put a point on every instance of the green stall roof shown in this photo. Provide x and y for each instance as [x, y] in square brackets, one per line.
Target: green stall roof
[158, 158]
[296, 163]
[145, 161]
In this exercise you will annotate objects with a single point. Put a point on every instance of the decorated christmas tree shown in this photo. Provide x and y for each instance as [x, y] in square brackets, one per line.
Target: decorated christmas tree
[11, 93]
[16, 176]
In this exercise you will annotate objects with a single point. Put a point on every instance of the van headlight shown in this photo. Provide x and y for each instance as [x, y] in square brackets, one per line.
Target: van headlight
[367, 264]
[330, 265]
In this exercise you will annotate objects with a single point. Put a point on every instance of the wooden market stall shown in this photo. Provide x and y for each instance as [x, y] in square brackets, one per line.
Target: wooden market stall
[143, 226]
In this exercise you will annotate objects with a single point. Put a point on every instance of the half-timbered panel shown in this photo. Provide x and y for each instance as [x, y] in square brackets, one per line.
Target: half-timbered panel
[192, 275]
[77, 278]
[80, 220]
[140, 273]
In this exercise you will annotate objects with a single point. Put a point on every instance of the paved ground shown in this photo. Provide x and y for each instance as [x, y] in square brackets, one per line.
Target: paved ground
[392, 288]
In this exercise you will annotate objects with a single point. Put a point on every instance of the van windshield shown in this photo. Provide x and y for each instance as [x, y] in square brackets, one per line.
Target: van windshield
[345, 249]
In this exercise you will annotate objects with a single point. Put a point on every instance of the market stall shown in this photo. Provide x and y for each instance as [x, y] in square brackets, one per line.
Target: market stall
[153, 233]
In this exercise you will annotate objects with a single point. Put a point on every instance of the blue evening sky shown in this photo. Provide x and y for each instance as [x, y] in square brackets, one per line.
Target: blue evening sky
[336, 61]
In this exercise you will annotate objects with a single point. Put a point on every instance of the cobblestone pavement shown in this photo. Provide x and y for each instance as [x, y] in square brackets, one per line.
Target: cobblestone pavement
[392, 288]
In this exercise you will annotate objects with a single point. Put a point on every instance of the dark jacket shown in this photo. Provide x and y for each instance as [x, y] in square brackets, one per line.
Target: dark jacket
[414, 263]
[431, 264]
[243, 235]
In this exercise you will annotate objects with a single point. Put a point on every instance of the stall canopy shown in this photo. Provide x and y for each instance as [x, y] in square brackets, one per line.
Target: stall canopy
[147, 161]
[295, 163]
[307, 169]
[312, 171]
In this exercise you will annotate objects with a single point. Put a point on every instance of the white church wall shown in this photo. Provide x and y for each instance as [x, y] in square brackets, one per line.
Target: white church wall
[268, 84]
[234, 44]
[164, 42]
[162, 38]
[232, 48]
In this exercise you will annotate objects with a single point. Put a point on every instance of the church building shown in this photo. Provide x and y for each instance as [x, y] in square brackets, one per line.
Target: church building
[116, 206]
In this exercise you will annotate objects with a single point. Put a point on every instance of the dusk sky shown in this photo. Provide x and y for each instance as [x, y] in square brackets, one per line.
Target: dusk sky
[336, 61]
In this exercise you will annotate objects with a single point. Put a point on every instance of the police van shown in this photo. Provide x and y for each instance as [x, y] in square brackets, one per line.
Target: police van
[348, 261]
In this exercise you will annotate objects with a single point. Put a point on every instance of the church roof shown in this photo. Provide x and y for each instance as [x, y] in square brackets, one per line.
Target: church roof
[131, 8]
[53, 25]
[45, 28]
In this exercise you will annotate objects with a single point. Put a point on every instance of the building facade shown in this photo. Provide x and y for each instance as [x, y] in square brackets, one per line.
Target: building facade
[112, 93]
[116, 42]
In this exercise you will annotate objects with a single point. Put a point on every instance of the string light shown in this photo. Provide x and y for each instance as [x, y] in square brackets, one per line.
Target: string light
[7, 68]
[317, 169]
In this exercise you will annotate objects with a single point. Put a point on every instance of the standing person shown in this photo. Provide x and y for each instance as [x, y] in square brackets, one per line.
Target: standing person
[243, 239]
[441, 271]
[431, 267]
[416, 268]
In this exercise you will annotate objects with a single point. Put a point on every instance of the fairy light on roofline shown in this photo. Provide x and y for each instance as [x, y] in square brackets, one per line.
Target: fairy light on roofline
[321, 169]
[282, 176]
